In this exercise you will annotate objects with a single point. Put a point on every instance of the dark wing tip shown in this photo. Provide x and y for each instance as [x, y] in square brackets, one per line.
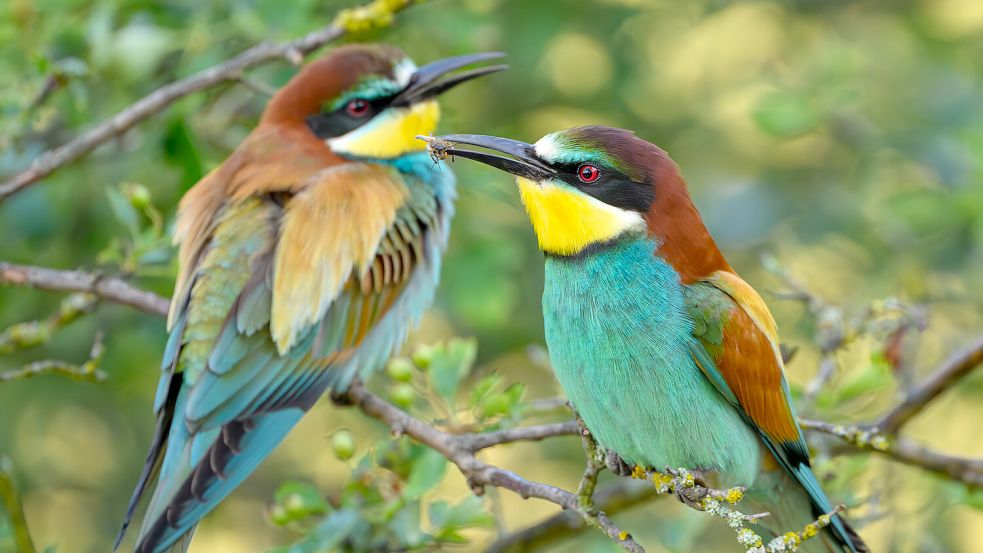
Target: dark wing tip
[852, 538]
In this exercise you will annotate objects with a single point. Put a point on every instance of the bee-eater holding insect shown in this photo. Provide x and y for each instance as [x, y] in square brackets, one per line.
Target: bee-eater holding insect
[305, 258]
[668, 356]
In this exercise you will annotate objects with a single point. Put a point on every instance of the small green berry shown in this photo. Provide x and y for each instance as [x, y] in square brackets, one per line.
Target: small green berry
[402, 394]
[343, 443]
[295, 506]
[138, 195]
[400, 369]
[423, 356]
[279, 515]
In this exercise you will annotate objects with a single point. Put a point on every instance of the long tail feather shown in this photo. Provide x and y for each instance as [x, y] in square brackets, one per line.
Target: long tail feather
[234, 455]
[846, 537]
[151, 467]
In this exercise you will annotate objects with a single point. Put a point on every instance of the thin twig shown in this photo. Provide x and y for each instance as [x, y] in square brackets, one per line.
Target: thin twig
[31, 334]
[957, 366]
[109, 288]
[904, 450]
[15, 510]
[230, 70]
[484, 440]
[86, 372]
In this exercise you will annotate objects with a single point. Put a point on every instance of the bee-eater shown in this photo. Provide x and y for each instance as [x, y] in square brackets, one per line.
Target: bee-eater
[668, 356]
[305, 258]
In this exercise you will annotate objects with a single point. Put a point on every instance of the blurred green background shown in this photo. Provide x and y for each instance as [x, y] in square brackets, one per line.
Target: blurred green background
[844, 137]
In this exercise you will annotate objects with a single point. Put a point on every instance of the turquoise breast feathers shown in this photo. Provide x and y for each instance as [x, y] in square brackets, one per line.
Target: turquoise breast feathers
[619, 338]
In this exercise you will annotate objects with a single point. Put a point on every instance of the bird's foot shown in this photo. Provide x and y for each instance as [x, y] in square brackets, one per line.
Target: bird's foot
[692, 497]
[617, 465]
[691, 488]
[341, 399]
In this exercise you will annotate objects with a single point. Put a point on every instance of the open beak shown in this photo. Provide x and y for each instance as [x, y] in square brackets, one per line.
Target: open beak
[522, 162]
[428, 81]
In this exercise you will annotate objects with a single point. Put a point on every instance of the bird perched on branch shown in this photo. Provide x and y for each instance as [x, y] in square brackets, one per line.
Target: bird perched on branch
[305, 258]
[668, 356]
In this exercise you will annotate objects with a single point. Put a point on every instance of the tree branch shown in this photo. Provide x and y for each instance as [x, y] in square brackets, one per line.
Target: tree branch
[906, 451]
[954, 368]
[613, 499]
[479, 473]
[108, 288]
[461, 449]
[374, 14]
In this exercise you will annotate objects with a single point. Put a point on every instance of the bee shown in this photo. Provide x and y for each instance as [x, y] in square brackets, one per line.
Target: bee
[437, 148]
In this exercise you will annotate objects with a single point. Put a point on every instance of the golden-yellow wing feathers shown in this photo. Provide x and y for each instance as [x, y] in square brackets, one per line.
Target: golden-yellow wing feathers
[330, 230]
[255, 169]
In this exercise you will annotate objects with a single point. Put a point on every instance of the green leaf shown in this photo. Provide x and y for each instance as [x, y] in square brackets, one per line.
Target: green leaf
[447, 520]
[405, 525]
[503, 403]
[428, 470]
[397, 456]
[974, 499]
[451, 363]
[330, 532]
[484, 388]
[124, 211]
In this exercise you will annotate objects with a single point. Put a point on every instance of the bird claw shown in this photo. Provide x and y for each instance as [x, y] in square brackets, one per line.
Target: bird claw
[617, 465]
[341, 399]
[692, 497]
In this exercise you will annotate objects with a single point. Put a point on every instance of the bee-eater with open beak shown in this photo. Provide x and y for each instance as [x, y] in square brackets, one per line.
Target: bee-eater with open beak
[668, 356]
[305, 258]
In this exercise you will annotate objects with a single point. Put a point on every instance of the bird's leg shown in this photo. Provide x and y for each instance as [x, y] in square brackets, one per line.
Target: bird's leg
[617, 465]
[341, 398]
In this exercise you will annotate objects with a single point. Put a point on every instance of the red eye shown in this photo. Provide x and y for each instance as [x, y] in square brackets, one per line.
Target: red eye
[588, 173]
[358, 108]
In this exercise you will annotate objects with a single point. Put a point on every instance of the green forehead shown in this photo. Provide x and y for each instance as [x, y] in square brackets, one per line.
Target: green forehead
[596, 145]
[373, 86]
[562, 147]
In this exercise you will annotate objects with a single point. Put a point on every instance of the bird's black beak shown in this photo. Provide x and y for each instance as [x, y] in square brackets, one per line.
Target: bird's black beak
[427, 81]
[523, 161]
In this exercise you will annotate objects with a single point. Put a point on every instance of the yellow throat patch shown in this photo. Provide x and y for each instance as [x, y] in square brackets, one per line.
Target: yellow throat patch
[567, 221]
[390, 134]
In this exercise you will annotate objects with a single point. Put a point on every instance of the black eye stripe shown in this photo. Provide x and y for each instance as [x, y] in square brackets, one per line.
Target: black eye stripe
[330, 124]
[611, 186]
